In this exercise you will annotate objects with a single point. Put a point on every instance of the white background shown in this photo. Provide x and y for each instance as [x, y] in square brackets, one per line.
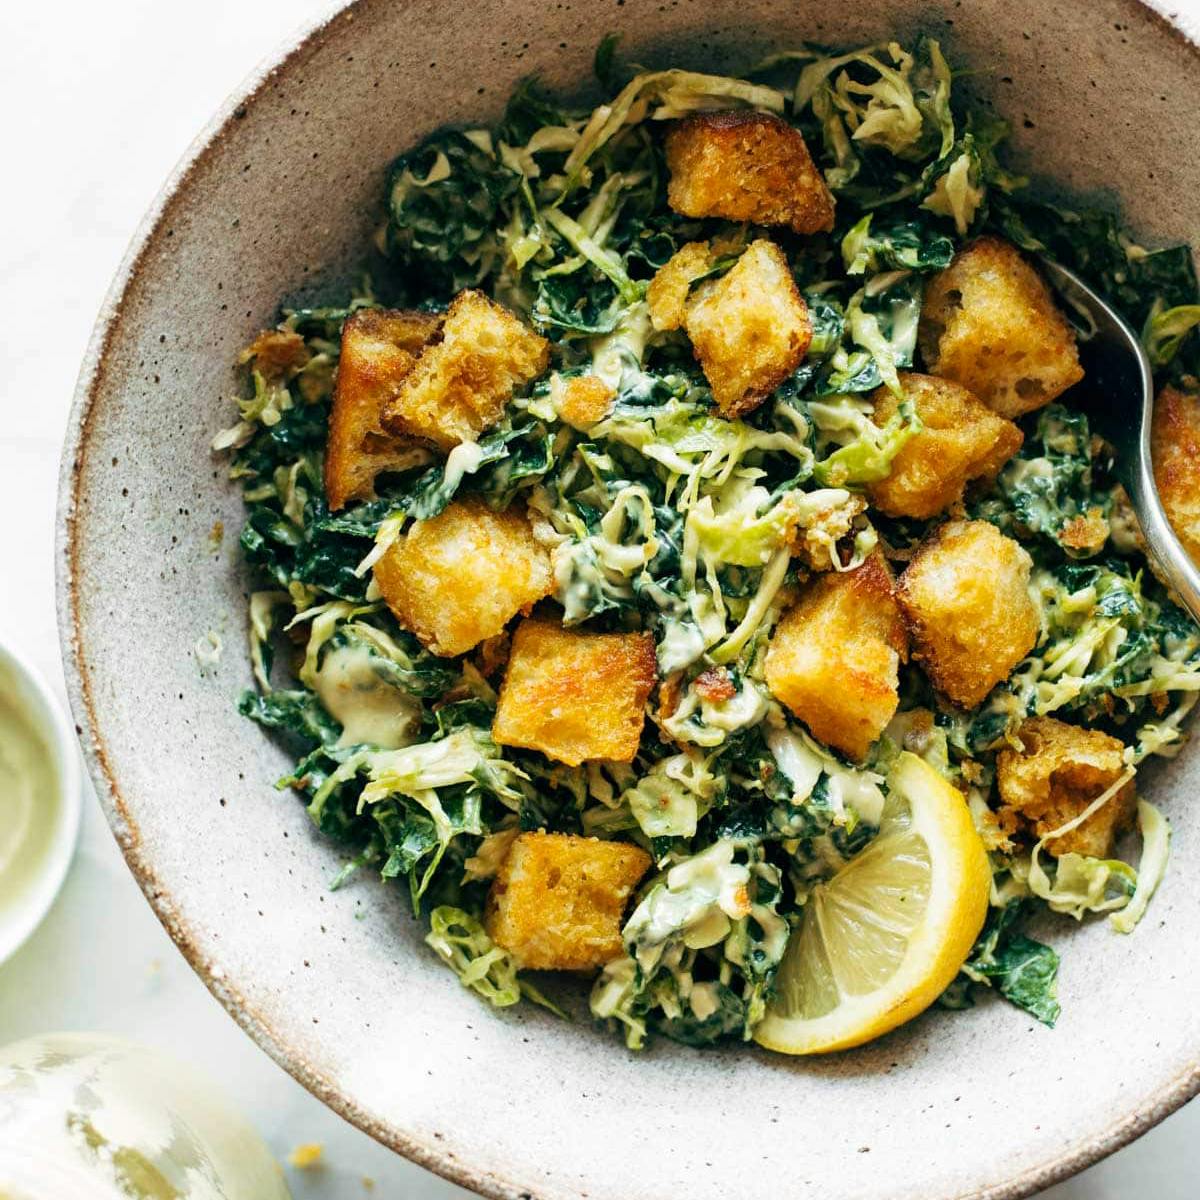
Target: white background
[98, 102]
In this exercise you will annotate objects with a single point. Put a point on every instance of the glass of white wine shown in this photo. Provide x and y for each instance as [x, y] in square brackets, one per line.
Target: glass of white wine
[91, 1117]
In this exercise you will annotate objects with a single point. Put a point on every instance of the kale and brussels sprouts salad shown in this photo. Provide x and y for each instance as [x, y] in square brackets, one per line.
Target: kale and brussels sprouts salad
[686, 561]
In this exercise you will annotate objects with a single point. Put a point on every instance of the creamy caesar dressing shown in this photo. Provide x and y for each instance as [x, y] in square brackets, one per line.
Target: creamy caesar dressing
[617, 356]
[369, 710]
[29, 797]
[696, 904]
[803, 761]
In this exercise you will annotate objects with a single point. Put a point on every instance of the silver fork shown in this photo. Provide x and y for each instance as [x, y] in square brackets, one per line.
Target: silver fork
[1119, 373]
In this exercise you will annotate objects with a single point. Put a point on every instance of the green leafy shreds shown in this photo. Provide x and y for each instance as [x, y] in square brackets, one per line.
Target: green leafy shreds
[859, 451]
[707, 915]
[460, 941]
[1049, 487]
[298, 713]
[900, 246]
[961, 185]
[1114, 648]
[1022, 970]
[444, 200]
[1168, 330]
[880, 322]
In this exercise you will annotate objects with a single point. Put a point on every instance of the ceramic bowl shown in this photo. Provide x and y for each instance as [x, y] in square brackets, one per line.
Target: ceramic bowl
[278, 198]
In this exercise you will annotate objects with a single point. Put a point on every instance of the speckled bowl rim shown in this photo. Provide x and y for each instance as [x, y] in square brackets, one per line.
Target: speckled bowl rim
[1088, 1149]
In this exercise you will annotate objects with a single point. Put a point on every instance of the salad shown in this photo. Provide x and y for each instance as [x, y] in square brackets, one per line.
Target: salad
[686, 561]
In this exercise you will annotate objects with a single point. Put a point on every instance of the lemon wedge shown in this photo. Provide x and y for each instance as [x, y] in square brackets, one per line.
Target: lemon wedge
[881, 940]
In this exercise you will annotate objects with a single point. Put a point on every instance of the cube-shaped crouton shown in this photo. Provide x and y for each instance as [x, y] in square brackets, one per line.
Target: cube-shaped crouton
[1175, 449]
[573, 695]
[970, 615]
[749, 328]
[462, 382]
[962, 439]
[1059, 770]
[461, 576]
[557, 901]
[669, 290]
[379, 348]
[581, 400]
[989, 322]
[835, 656]
[749, 167]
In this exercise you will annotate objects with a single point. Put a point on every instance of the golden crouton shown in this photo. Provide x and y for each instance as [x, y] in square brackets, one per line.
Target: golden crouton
[558, 900]
[749, 328]
[1175, 450]
[962, 440]
[989, 323]
[462, 382]
[1086, 532]
[668, 293]
[1058, 772]
[834, 658]
[276, 354]
[746, 166]
[379, 348]
[581, 400]
[461, 576]
[574, 695]
[970, 616]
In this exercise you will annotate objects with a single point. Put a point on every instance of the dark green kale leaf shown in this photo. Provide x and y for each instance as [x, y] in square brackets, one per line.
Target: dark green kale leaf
[827, 315]
[685, 1027]
[444, 202]
[1049, 485]
[320, 550]
[298, 713]
[336, 814]
[300, 430]
[287, 553]
[515, 454]
[854, 366]
[414, 844]
[360, 520]
[407, 666]
[582, 302]
[1022, 970]
[912, 245]
[329, 563]
[604, 62]
[529, 108]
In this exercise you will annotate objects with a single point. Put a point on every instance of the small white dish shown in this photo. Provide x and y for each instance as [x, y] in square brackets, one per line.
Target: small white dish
[39, 824]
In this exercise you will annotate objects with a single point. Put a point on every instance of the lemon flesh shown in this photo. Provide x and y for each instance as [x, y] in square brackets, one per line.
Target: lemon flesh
[882, 939]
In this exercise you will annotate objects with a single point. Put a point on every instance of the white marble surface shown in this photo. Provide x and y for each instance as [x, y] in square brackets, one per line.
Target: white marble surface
[99, 101]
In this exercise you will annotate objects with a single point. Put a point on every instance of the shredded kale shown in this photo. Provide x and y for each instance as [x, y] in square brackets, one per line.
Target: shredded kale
[1050, 487]
[1023, 970]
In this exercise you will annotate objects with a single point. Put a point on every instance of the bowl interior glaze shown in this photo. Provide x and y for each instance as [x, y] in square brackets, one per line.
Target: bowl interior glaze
[277, 199]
